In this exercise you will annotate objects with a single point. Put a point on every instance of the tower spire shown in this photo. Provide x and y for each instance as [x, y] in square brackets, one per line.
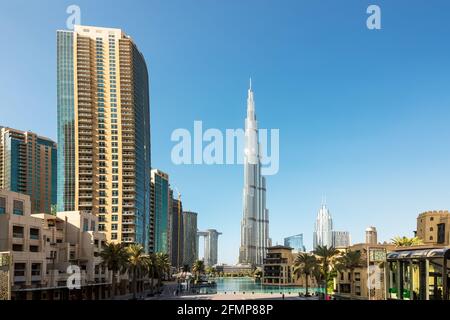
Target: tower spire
[250, 84]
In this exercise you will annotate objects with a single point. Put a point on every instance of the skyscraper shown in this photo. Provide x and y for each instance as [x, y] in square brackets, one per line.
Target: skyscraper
[255, 220]
[323, 230]
[190, 251]
[211, 241]
[176, 242]
[104, 131]
[160, 209]
[295, 242]
[28, 166]
[341, 239]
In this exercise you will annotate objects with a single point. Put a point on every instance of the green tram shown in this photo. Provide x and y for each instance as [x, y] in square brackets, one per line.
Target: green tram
[418, 274]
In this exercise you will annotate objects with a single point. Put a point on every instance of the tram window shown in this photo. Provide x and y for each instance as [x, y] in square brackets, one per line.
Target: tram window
[393, 281]
[435, 287]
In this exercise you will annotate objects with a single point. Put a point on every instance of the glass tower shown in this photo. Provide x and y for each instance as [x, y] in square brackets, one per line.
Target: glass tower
[28, 166]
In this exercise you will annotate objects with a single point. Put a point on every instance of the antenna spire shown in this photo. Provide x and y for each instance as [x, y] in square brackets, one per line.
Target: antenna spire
[250, 83]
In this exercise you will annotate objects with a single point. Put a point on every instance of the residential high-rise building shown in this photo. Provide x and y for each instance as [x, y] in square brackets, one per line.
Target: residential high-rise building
[255, 219]
[211, 241]
[190, 251]
[295, 242]
[160, 210]
[371, 235]
[28, 166]
[176, 242]
[104, 131]
[323, 230]
[341, 239]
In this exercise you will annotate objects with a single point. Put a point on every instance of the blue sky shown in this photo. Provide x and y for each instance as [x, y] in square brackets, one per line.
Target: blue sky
[363, 115]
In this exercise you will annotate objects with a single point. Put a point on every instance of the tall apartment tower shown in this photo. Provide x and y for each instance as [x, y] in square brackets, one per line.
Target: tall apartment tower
[176, 242]
[160, 207]
[371, 235]
[255, 217]
[104, 131]
[28, 166]
[190, 250]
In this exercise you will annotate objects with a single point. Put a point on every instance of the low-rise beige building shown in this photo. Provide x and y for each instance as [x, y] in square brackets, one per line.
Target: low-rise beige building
[278, 269]
[46, 249]
[365, 281]
[433, 227]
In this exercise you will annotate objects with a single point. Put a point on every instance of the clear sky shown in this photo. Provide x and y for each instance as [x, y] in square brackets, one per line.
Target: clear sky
[363, 115]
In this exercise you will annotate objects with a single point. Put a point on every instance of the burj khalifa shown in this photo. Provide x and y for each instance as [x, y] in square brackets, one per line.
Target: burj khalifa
[255, 219]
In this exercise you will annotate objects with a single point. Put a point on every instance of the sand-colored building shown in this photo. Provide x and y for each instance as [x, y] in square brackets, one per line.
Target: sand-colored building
[278, 269]
[365, 281]
[104, 131]
[45, 249]
[433, 227]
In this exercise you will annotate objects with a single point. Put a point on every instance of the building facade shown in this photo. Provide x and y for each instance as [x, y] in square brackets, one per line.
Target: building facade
[277, 267]
[295, 242]
[371, 235]
[160, 208]
[366, 281]
[176, 227]
[104, 131]
[323, 229]
[211, 244]
[44, 246]
[190, 250]
[341, 239]
[28, 165]
[255, 220]
[433, 227]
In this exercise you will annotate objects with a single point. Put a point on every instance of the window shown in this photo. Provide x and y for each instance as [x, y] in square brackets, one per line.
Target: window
[17, 232]
[114, 236]
[92, 225]
[115, 217]
[441, 233]
[2, 205]
[35, 269]
[34, 234]
[114, 226]
[19, 269]
[85, 225]
[34, 248]
[432, 218]
[17, 247]
[18, 207]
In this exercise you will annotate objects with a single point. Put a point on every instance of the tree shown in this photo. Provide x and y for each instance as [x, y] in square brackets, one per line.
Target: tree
[162, 267]
[326, 256]
[304, 265]
[138, 261]
[406, 242]
[115, 258]
[198, 268]
[349, 261]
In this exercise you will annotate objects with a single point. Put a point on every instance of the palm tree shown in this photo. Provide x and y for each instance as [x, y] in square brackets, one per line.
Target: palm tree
[305, 264]
[406, 242]
[349, 261]
[115, 258]
[151, 266]
[137, 262]
[162, 266]
[326, 256]
[198, 268]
